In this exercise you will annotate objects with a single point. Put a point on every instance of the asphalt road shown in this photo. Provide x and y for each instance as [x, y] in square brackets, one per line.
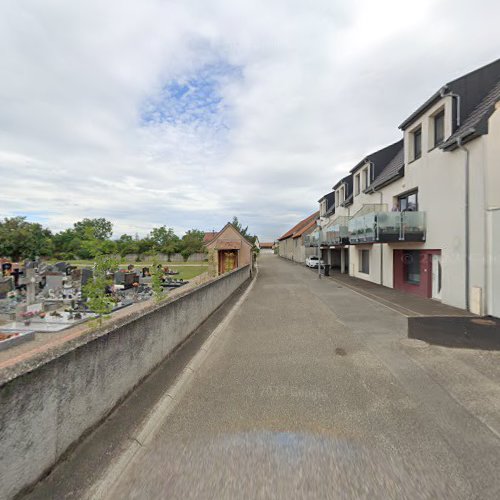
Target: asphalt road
[310, 391]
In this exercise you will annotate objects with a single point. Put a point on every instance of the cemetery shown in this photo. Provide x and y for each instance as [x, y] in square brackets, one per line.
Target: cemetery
[37, 297]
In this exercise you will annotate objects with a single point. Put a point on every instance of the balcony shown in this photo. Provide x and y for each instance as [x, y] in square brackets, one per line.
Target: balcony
[311, 240]
[338, 232]
[387, 227]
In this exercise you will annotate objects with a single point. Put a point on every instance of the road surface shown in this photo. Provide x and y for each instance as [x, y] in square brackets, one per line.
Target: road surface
[309, 390]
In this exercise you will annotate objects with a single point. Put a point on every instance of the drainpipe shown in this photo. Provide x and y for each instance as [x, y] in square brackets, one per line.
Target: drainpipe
[467, 236]
[381, 253]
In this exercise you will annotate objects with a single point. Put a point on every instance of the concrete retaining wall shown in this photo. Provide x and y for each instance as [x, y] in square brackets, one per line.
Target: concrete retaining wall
[47, 409]
[175, 257]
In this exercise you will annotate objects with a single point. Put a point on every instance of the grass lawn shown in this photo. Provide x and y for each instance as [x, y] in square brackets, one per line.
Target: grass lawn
[187, 272]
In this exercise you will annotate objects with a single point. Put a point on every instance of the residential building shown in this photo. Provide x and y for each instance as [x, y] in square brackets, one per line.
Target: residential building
[266, 247]
[423, 214]
[291, 245]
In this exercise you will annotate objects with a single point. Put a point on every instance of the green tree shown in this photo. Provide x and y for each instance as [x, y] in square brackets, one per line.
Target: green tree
[22, 239]
[156, 281]
[192, 242]
[67, 244]
[98, 300]
[126, 245]
[165, 240]
[100, 229]
[243, 230]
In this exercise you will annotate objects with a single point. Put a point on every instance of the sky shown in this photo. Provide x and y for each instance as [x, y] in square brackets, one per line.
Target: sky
[186, 113]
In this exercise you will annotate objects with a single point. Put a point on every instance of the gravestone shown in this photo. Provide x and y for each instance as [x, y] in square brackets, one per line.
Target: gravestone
[53, 281]
[86, 275]
[61, 266]
[30, 285]
[76, 275]
[6, 286]
[119, 278]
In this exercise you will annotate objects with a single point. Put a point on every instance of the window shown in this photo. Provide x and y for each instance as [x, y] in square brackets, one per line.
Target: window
[439, 128]
[341, 195]
[408, 202]
[366, 178]
[411, 262]
[356, 185]
[417, 144]
[364, 261]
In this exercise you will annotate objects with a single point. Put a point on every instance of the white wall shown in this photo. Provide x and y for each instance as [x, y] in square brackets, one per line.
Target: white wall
[440, 179]
[494, 263]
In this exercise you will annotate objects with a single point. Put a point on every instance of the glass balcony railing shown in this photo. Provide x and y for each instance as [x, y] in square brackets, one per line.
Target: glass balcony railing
[387, 227]
[311, 240]
[338, 233]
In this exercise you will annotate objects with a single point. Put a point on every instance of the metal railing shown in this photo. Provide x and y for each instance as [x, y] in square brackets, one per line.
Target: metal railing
[338, 232]
[386, 227]
[311, 240]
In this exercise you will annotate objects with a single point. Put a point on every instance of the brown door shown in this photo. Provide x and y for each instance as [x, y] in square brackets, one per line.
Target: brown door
[228, 260]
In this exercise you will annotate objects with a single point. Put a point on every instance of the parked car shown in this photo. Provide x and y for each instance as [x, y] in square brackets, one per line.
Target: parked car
[313, 261]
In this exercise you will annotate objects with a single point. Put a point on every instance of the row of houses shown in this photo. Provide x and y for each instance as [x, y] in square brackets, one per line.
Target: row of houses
[422, 215]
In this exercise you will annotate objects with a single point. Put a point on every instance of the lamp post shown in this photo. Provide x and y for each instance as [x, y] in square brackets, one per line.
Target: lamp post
[318, 223]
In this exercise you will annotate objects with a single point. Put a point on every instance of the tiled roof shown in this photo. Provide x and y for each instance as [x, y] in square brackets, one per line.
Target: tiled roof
[299, 226]
[266, 245]
[308, 226]
[472, 89]
[477, 122]
[380, 158]
[393, 170]
[208, 237]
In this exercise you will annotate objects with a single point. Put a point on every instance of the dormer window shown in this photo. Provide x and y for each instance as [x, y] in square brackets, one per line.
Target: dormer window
[366, 178]
[439, 128]
[417, 143]
[357, 180]
[322, 208]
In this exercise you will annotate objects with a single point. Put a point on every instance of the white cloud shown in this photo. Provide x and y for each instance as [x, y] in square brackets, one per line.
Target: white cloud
[318, 85]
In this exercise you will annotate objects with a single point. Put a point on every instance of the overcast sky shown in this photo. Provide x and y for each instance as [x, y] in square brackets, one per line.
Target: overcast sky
[187, 112]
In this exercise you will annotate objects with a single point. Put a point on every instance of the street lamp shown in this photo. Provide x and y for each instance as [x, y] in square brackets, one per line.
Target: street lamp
[318, 224]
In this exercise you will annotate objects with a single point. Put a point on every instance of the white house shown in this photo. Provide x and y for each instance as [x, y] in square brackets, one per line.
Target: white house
[423, 214]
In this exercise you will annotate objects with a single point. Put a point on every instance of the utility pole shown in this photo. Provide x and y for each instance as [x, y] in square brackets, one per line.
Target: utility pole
[319, 248]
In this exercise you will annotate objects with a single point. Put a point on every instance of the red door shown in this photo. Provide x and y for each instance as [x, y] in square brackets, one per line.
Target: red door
[413, 271]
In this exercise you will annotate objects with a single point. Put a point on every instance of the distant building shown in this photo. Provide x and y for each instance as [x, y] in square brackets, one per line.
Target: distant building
[231, 249]
[266, 247]
[291, 244]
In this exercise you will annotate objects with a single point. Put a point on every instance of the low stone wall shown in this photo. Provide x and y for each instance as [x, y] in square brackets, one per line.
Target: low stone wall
[48, 405]
[175, 257]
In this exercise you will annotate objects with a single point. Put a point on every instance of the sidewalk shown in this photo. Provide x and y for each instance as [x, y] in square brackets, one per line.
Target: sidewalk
[404, 303]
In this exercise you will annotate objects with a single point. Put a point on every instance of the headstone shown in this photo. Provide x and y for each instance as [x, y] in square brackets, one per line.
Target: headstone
[54, 281]
[6, 268]
[61, 266]
[119, 278]
[76, 275]
[30, 285]
[129, 279]
[6, 286]
[86, 275]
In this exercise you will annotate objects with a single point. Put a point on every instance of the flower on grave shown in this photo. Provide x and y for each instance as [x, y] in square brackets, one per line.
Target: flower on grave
[28, 314]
